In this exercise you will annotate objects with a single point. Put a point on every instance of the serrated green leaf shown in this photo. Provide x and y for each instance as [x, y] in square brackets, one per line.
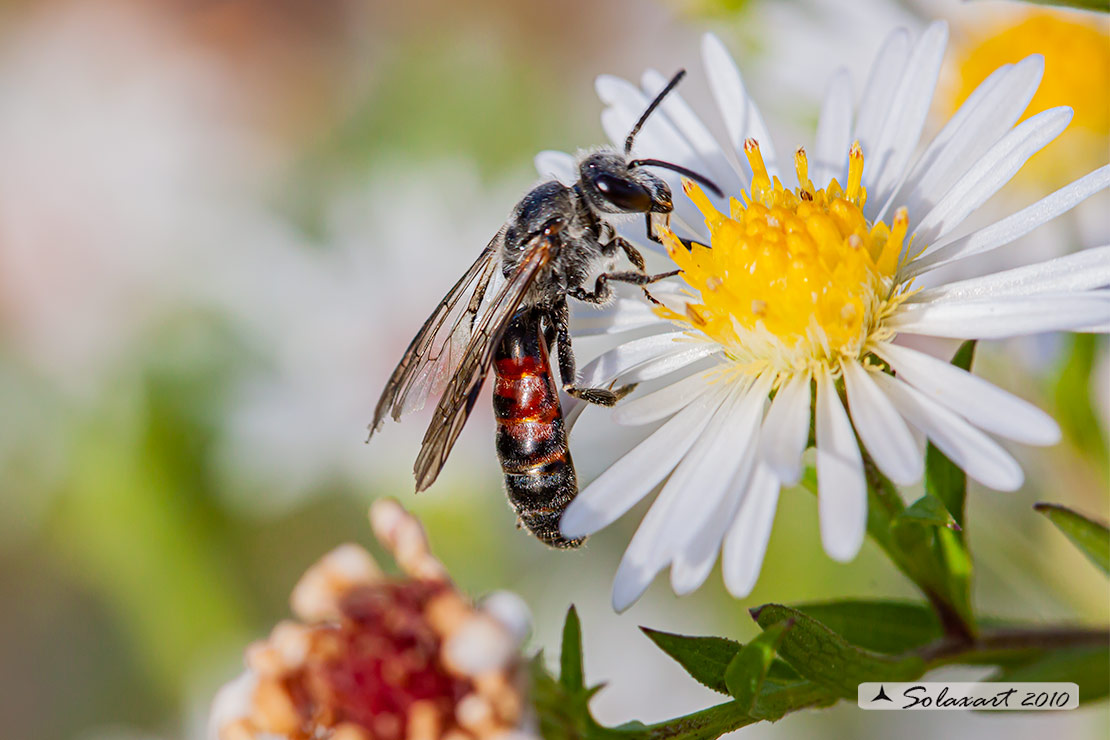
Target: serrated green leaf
[707, 658]
[929, 511]
[745, 674]
[570, 660]
[1088, 535]
[1088, 667]
[704, 658]
[826, 658]
[890, 627]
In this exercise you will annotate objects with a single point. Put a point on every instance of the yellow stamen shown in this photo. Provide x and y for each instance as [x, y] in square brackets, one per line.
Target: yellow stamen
[801, 166]
[855, 174]
[792, 278]
[892, 250]
[761, 181]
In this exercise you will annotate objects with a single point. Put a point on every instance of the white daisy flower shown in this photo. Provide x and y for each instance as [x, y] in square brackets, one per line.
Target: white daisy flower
[807, 290]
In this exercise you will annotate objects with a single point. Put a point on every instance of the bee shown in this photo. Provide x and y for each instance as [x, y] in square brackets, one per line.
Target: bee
[554, 240]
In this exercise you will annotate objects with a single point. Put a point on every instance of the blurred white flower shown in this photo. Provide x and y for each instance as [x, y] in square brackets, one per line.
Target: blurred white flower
[331, 320]
[118, 139]
[807, 285]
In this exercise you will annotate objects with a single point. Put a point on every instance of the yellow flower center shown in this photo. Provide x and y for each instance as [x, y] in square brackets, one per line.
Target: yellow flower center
[792, 279]
[1076, 50]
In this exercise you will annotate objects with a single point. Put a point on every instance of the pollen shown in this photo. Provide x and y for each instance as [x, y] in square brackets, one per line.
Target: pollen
[792, 278]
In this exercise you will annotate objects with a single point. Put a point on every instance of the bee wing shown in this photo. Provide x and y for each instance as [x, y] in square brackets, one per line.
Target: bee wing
[435, 351]
[461, 393]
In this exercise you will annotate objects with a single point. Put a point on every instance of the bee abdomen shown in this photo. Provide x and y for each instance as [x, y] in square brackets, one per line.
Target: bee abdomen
[531, 435]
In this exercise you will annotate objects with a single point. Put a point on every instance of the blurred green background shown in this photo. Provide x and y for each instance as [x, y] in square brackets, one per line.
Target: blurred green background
[221, 222]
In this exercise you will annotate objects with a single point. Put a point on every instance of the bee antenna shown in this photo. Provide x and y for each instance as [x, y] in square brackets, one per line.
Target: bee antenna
[654, 104]
[681, 170]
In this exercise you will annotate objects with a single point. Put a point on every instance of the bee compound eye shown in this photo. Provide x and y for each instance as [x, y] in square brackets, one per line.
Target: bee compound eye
[624, 194]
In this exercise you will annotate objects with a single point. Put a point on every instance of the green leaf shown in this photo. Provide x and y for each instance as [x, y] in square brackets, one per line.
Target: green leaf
[745, 674]
[1073, 393]
[826, 658]
[890, 627]
[943, 478]
[705, 658]
[1088, 666]
[1088, 535]
[776, 701]
[928, 511]
[570, 661]
[1099, 5]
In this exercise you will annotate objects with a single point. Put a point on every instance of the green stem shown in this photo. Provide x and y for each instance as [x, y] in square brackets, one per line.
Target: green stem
[998, 642]
[884, 504]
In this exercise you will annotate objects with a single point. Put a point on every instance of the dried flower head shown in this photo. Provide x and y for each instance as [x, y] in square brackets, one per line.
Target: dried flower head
[378, 658]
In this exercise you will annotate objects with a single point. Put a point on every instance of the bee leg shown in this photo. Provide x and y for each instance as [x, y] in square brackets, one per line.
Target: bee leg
[630, 251]
[635, 278]
[688, 243]
[651, 229]
[569, 371]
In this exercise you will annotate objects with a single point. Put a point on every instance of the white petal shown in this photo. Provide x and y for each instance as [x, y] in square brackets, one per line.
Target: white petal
[723, 454]
[629, 479]
[902, 129]
[643, 560]
[786, 430]
[670, 363]
[974, 452]
[625, 97]
[874, 105]
[991, 171]
[609, 365]
[1072, 273]
[834, 131]
[624, 314]
[651, 546]
[559, 165]
[721, 169]
[746, 541]
[987, 114]
[741, 117]
[1003, 317]
[661, 403]
[841, 487]
[694, 562]
[881, 427]
[1012, 227]
[695, 557]
[981, 402]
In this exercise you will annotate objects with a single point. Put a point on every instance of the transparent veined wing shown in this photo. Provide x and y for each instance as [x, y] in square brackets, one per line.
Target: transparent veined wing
[462, 391]
[434, 354]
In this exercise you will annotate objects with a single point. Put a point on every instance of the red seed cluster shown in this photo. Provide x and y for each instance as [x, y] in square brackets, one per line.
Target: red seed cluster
[383, 658]
[380, 659]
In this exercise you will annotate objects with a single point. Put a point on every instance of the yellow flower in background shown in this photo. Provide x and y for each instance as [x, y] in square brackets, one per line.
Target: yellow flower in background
[1076, 50]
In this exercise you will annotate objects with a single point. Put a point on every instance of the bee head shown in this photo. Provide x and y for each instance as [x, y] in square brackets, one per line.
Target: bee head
[616, 183]
[612, 184]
